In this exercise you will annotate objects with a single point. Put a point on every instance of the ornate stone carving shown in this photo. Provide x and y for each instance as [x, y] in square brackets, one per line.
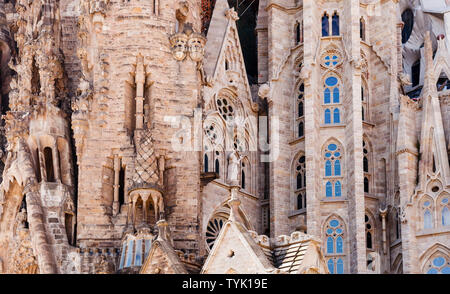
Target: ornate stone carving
[187, 43]
[402, 214]
[231, 14]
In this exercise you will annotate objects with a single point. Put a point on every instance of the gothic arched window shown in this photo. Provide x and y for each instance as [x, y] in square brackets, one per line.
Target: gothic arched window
[300, 201]
[366, 166]
[329, 189]
[335, 24]
[369, 232]
[334, 247]
[297, 33]
[337, 189]
[217, 166]
[364, 102]
[327, 116]
[300, 111]
[427, 214]
[48, 156]
[445, 211]
[362, 29]
[333, 173]
[205, 163]
[331, 88]
[300, 182]
[325, 25]
[336, 116]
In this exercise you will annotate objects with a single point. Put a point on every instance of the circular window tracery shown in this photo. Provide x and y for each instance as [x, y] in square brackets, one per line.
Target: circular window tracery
[213, 230]
[226, 107]
[331, 58]
[439, 265]
[210, 132]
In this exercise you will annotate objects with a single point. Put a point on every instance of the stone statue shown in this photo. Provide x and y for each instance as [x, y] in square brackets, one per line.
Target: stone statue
[233, 167]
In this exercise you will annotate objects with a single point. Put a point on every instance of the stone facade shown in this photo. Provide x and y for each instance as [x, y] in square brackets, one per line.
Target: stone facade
[133, 142]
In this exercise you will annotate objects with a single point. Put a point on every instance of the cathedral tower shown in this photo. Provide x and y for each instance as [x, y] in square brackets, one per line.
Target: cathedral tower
[335, 57]
[139, 87]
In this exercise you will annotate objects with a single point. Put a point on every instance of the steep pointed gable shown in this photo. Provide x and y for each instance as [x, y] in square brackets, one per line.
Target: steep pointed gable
[216, 36]
[432, 138]
[162, 259]
[236, 249]
[223, 43]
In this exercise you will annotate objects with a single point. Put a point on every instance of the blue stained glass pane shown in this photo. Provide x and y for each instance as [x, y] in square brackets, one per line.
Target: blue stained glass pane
[427, 220]
[334, 62]
[329, 231]
[331, 266]
[339, 245]
[327, 116]
[337, 154]
[122, 256]
[138, 258]
[332, 147]
[336, 116]
[147, 247]
[426, 203]
[327, 96]
[327, 63]
[336, 94]
[330, 245]
[446, 270]
[337, 168]
[329, 192]
[445, 217]
[340, 266]
[338, 231]
[335, 24]
[327, 57]
[334, 223]
[328, 154]
[335, 57]
[129, 253]
[325, 26]
[337, 189]
[432, 271]
[445, 200]
[328, 168]
[438, 261]
[331, 81]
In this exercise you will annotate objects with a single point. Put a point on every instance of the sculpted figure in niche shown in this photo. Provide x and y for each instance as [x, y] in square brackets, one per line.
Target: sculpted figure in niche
[233, 168]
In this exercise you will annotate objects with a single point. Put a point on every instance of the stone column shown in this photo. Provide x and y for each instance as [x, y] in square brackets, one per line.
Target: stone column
[383, 214]
[144, 209]
[116, 184]
[140, 79]
[447, 28]
[41, 162]
[56, 165]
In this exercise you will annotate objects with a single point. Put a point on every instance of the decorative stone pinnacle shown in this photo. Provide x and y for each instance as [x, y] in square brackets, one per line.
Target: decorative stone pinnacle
[231, 14]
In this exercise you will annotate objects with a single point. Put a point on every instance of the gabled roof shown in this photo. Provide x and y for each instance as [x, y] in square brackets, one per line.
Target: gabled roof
[236, 251]
[241, 251]
[162, 259]
[295, 254]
